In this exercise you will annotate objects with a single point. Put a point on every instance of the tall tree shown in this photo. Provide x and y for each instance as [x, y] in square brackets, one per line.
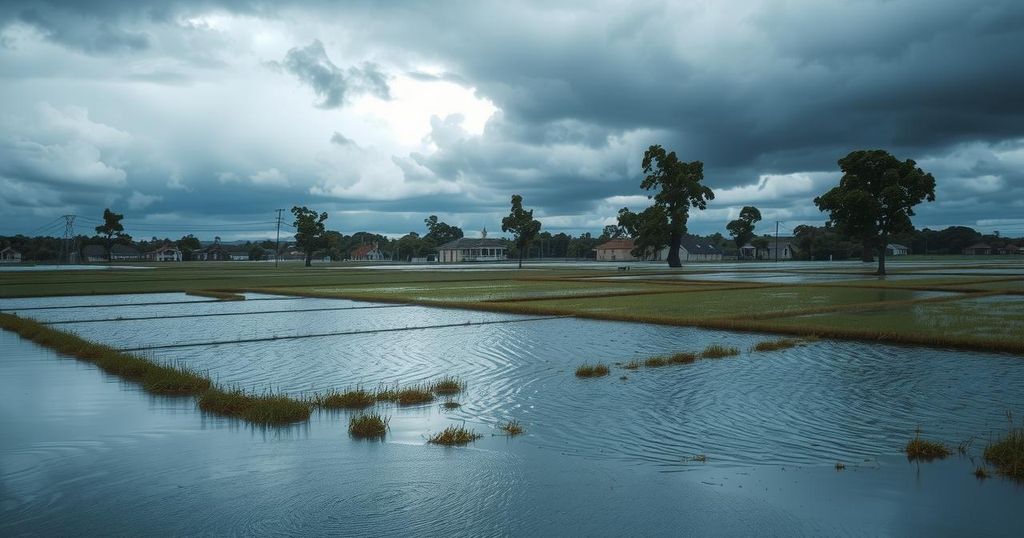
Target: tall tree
[110, 229]
[742, 229]
[309, 231]
[679, 187]
[876, 197]
[440, 232]
[649, 229]
[521, 224]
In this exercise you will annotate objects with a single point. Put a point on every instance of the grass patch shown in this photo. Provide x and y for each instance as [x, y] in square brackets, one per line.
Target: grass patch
[454, 435]
[219, 295]
[267, 409]
[451, 404]
[448, 385]
[415, 395]
[1007, 454]
[656, 362]
[632, 365]
[981, 473]
[350, 399]
[682, 358]
[921, 449]
[776, 345]
[512, 427]
[716, 351]
[368, 426]
[592, 370]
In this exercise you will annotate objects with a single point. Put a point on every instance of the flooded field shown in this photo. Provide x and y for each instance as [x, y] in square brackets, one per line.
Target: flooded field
[743, 445]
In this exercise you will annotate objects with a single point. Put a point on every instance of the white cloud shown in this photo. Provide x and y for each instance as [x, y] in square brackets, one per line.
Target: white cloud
[137, 200]
[270, 176]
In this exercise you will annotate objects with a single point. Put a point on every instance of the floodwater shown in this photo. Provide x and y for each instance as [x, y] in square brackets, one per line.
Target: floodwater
[86, 453]
[30, 268]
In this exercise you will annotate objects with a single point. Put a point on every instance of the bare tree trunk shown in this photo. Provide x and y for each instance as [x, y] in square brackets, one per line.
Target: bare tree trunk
[881, 255]
[309, 258]
[673, 250]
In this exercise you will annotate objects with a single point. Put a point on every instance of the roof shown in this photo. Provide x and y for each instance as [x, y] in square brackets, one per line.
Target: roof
[979, 245]
[698, 246]
[616, 244]
[163, 247]
[473, 242]
[363, 250]
[10, 249]
[897, 246]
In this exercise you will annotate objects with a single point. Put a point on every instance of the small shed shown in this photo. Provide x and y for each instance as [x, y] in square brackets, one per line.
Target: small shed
[896, 249]
[9, 255]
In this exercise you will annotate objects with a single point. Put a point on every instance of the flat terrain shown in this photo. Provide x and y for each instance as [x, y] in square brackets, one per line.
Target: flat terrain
[972, 303]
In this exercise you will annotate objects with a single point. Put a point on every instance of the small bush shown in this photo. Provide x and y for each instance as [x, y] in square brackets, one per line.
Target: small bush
[595, 370]
[512, 427]
[368, 426]
[1007, 454]
[776, 345]
[454, 435]
[448, 385]
[921, 449]
[350, 399]
[716, 351]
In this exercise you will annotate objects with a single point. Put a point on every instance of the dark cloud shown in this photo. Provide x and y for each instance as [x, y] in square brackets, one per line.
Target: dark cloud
[332, 84]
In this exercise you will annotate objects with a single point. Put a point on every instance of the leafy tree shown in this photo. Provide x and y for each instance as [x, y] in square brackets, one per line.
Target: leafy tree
[439, 232]
[649, 229]
[521, 224]
[256, 253]
[613, 232]
[309, 231]
[110, 229]
[678, 185]
[742, 229]
[876, 197]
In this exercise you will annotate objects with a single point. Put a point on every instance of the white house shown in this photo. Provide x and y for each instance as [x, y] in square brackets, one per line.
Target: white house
[691, 249]
[370, 252]
[781, 248]
[467, 249]
[896, 249]
[166, 253]
[9, 255]
[125, 253]
[615, 250]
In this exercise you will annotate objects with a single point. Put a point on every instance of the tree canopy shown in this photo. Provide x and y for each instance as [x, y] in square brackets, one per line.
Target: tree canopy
[521, 224]
[875, 197]
[309, 231]
[110, 229]
[649, 229]
[742, 229]
[678, 185]
[440, 232]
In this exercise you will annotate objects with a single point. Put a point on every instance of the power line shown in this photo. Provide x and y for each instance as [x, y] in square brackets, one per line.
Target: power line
[277, 249]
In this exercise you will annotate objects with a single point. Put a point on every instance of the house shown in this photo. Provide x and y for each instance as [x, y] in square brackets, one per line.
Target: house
[896, 249]
[1012, 249]
[466, 249]
[165, 253]
[615, 250]
[748, 252]
[978, 249]
[125, 253]
[217, 252]
[691, 249]
[369, 252]
[94, 253]
[780, 248]
[9, 255]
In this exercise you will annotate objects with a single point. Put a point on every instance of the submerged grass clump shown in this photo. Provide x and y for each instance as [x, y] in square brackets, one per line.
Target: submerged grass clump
[922, 449]
[512, 427]
[656, 362]
[448, 385]
[682, 358]
[451, 404]
[454, 435]
[415, 395]
[368, 426]
[716, 351]
[632, 365]
[350, 399]
[776, 345]
[219, 295]
[592, 370]
[1007, 454]
[268, 409]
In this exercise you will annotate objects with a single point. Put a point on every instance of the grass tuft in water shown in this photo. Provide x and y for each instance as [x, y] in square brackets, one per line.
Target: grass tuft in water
[368, 426]
[448, 385]
[981, 473]
[716, 351]
[592, 370]
[454, 435]
[840, 466]
[632, 365]
[921, 449]
[415, 395]
[656, 362]
[268, 409]
[350, 399]
[174, 381]
[451, 404]
[682, 358]
[1007, 454]
[512, 428]
[776, 345]
[219, 295]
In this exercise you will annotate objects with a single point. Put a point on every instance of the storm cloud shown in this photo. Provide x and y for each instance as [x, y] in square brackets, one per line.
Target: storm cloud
[383, 112]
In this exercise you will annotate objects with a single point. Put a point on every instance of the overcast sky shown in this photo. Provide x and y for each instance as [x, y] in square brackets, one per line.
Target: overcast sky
[207, 116]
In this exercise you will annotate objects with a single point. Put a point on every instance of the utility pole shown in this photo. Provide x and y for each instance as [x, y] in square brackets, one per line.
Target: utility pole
[69, 234]
[277, 250]
[776, 241]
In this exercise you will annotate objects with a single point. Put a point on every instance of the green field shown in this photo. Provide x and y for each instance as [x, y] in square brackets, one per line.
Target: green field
[932, 302]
